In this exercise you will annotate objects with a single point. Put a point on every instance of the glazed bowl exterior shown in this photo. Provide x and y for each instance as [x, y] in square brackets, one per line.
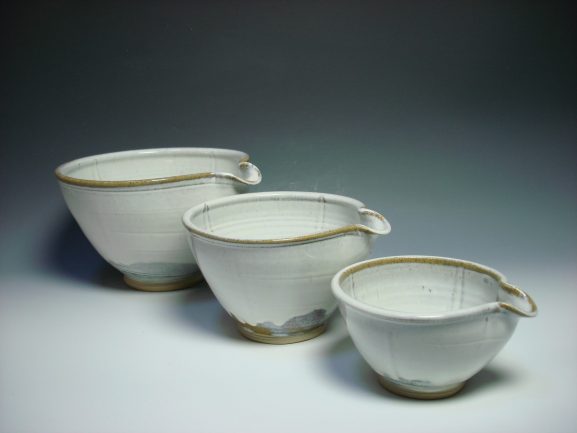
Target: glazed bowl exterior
[130, 204]
[427, 324]
[269, 257]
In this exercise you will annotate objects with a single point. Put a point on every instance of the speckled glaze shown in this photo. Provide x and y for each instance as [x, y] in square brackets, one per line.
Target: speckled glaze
[427, 324]
[269, 257]
[130, 204]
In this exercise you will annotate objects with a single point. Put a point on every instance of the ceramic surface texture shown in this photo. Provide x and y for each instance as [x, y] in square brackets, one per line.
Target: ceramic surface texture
[269, 257]
[129, 205]
[427, 324]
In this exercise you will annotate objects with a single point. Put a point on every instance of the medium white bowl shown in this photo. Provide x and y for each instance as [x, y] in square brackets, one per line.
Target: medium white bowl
[130, 204]
[427, 324]
[269, 257]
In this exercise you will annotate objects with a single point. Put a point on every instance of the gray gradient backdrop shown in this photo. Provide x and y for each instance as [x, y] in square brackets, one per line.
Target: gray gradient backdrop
[457, 121]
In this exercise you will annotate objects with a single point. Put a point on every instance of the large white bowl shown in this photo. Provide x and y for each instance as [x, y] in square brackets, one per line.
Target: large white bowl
[427, 324]
[269, 257]
[130, 204]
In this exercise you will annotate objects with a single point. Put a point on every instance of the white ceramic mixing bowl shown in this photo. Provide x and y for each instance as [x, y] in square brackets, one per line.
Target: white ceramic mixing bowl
[130, 204]
[427, 324]
[269, 257]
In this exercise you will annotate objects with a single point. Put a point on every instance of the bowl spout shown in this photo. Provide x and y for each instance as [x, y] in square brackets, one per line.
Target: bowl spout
[373, 222]
[249, 173]
[517, 301]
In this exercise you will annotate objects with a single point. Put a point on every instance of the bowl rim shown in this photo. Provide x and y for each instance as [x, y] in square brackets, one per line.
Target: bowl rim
[287, 195]
[464, 313]
[243, 158]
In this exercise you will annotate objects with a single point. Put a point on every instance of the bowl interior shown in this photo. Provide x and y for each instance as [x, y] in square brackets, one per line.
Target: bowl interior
[421, 288]
[275, 216]
[152, 164]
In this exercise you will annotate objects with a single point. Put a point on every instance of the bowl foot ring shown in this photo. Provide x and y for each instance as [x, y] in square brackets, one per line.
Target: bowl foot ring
[420, 395]
[280, 339]
[164, 287]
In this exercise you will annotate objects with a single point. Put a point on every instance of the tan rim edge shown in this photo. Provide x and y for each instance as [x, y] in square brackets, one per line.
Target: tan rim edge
[135, 183]
[513, 290]
[296, 239]
[428, 260]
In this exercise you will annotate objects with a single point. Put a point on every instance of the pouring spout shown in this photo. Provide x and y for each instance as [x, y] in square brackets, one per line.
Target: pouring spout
[517, 301]
[249, 174]
[373, 222]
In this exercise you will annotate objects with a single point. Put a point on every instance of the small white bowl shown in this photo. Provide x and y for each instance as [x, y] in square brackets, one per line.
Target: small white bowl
[427, 324]
[129, 206]
[269, 257]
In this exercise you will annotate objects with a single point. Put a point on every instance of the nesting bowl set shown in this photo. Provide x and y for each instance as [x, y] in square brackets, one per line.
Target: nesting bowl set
[166, 218]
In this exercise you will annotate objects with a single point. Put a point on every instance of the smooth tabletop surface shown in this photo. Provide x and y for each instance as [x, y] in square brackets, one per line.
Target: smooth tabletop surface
[456, 122]
[94, 356]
